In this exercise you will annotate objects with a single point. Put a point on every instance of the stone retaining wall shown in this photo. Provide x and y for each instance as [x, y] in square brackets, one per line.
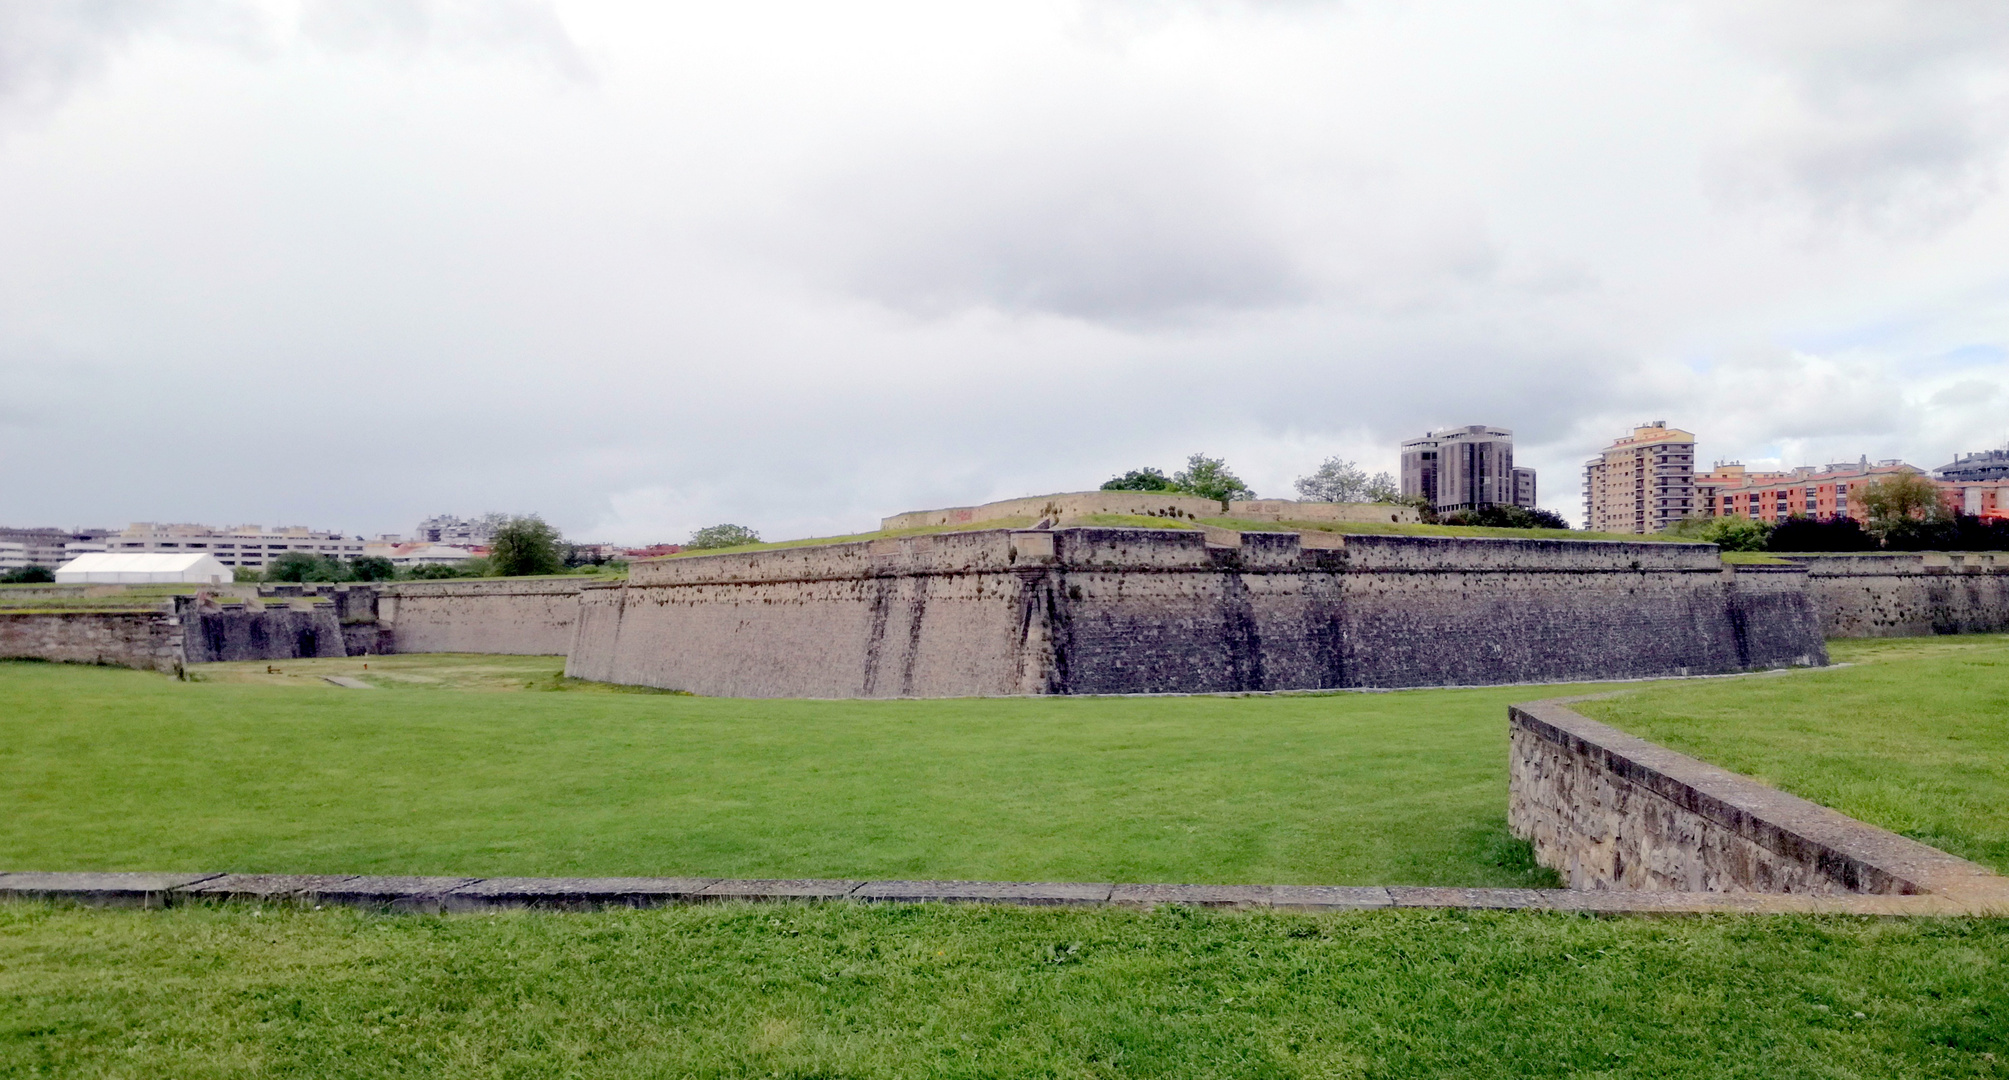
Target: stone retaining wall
[1096, 611]
[1909, 594]
[516, 616]
[1607, 810]
[148, 640]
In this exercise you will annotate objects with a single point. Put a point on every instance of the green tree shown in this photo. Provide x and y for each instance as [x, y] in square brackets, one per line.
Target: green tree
[305, 566]
[526, 545]
[1342, 481]
[723, 536]
[1900, 506]
[28, 575]
[1732, 533]
[1140, 480]
[372, 568]
[1209, 478]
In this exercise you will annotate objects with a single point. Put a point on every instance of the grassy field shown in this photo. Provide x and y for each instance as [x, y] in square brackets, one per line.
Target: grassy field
[454, 767]
[915, 990]
[1914, 736]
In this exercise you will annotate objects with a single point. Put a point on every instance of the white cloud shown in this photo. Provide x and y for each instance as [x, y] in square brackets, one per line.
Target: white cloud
[645, 267]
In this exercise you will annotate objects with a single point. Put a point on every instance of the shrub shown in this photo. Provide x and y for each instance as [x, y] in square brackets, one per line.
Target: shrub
[28, 575]
[723, 536]
[1727, 533]
[1506, 517]
[305, 566]
[1146, 479]
[1819, 534]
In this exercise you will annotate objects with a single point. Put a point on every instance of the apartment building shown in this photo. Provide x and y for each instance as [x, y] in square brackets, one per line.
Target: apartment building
[1466, 468]
[249, 546]
[1815, 491]
[1978, 484]
[46, 546]
[1641, 483]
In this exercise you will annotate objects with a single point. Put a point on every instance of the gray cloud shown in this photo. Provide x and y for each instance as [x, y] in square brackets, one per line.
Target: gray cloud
[48, 46]
[1893, 114]
[529, 27]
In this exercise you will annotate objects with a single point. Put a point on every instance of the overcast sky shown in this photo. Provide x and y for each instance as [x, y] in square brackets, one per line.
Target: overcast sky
[643, 267]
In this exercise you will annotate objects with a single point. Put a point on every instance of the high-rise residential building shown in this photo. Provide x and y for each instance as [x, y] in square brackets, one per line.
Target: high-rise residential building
[1467, 468]
[1641, 483]
[243, 545]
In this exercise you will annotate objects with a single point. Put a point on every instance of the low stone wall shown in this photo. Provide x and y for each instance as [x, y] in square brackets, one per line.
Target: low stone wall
[1909, 594]
[148, 640]
[517, 616]
[1607, 810]
[1062, 507]
[1099, 611]
[1288, 510]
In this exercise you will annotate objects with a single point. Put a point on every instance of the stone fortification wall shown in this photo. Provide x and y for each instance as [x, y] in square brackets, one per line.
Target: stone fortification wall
[1287, 510]
[1087, 610]
[1909, 594]
[1610, 811]
[255, 632]
[1063, 507]
[148, 640]
[519, 616]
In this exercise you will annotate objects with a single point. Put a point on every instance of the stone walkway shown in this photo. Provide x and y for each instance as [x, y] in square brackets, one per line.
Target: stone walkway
[462, 894]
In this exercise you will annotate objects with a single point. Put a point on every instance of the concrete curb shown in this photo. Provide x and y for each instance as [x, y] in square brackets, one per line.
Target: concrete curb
[466, 894]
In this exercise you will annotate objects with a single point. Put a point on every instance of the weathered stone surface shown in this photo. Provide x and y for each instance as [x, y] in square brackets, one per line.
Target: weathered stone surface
[995, 892]
[147, 640]
[255, 632]
[1329, 897]
[780, 889]
[1093, 611]
[512, 616]
[120, 889]
[581, 893]
[264, 886]
[396, 893]
[1608, 810]
[1893, 594]
[1194, 895]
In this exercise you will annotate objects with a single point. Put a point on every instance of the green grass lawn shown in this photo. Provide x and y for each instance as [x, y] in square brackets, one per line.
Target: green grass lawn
[109, 769]
[1913, 736]
[848, 990]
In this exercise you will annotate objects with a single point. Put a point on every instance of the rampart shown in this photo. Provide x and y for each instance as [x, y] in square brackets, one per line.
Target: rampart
[519, 616]
[1068, 508]
[1607, 810]
[148, 640]
[1108, 611]
[1909, 594]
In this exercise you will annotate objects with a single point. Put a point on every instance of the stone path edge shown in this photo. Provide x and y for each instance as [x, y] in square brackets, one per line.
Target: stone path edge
[466, 894]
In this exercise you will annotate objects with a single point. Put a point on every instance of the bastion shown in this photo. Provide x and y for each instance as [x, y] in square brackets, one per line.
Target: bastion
[1087, 610]
[1071, 507]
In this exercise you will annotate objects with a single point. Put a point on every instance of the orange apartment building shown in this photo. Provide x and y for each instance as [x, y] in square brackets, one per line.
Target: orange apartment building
[1807, 491]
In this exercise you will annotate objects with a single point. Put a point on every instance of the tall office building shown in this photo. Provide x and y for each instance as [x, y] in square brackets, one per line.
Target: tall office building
[1642, 483]
[1467, 468]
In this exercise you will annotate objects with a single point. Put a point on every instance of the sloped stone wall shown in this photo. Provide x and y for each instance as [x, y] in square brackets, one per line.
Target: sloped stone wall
[516, 616]
[148, 640]
[1087, 611]
[1909, 594]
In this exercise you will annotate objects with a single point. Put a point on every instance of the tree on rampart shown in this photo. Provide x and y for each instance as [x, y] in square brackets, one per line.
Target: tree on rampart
[526, 545]
[1209, 478]
[1342, 481]
[1146, 479]
[723, 536]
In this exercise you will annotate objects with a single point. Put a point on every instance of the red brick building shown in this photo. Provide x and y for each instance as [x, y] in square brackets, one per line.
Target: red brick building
[1808, 491]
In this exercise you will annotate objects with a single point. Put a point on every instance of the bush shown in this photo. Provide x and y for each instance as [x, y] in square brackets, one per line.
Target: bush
[1506, 517]
[1140, 480]
[1819, 534]
[372, 568]
[435, 572]
[305, 566]
[722, 536]
[526, 545]
[1727, 533]
[28, 575]
[244, 574]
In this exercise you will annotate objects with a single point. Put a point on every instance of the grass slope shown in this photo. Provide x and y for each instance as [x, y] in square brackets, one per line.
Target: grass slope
[1914, 737]
[108, 769]
[914, 990]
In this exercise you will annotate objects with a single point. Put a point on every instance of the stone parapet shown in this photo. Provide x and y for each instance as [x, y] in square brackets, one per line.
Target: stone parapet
[1909, 594]
[1610, 811]
[147, 640]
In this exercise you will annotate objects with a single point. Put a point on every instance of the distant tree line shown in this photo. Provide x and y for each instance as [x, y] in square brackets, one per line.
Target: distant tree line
[1336, 480]
[522, 546]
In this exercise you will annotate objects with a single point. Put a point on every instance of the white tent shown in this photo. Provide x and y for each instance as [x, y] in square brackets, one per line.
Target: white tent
[144, 567]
